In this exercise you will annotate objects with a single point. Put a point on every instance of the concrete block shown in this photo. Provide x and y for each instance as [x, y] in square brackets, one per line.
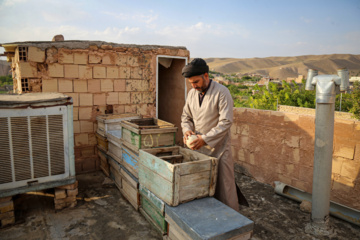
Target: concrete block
[88, 151]
[137, 85]
[65, 56]
[72, 192]
[119, 85]
[343, 184]
[92, 137]
[80, 86]
[109, 58]
[28, 69]
[60, 193]
[81, 57]
[136, 98]
[56, 70]
[133, 61]
[124, 98]
[350, 169]
[99, 72]
[124, 72]
[337, 165]
[81, 139]
[50, 85]
[71, 71]
[6, 206]
[86, 99]
[94, 58]
[75, 113]
[107, 85]
[148, 97]
[70, 186]
[112, 98]
[65, 86]
[89, 164]
[75, 98]
[94, 85]
[51, 55]
[122, 60]
[112, 72]
[345, 152]
[296, 155]
[119, 108]
[100, 99]
[86, 126]
[292, 141]
[305, 173]
[85, 113]
[36, 55]
[136, 73]
[142, 109]
[130, 108]
[85, 72]
[76, 125]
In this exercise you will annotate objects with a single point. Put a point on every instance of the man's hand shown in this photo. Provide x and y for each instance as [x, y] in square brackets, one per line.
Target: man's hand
[186, 135]
[198, 143]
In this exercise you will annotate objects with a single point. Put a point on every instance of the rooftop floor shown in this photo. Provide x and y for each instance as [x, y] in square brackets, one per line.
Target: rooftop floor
[102, 213]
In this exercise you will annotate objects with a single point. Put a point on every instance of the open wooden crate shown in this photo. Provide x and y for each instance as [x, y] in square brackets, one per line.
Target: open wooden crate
[147, 133]
[109, 122]
[177, 175]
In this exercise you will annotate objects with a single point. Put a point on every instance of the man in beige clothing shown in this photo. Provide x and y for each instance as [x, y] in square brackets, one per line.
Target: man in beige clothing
[208, 113]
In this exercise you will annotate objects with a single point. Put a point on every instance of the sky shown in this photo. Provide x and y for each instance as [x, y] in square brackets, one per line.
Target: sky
[236, 29]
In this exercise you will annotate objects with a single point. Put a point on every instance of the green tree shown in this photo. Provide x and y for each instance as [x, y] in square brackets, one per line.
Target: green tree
[355, 99]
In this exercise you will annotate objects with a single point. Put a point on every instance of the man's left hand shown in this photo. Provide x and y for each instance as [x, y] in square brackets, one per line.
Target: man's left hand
[198, 143]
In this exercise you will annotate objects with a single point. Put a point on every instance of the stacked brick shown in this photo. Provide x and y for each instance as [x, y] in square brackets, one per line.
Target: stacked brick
[7, 216]
[65, 196]
[100, 78]
[279, 146]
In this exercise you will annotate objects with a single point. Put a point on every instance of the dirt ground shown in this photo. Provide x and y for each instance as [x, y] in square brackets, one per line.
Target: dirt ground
[102, 213]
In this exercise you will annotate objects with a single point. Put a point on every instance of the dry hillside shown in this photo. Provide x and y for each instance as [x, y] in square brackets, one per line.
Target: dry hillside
[283, 67]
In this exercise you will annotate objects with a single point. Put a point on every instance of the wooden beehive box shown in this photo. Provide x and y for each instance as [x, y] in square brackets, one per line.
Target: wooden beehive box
[153, 209]
[114, 143]
[177, 175]
[109, 122]
[102, 142]
[147, 133]
[104, 165]
[130, 160]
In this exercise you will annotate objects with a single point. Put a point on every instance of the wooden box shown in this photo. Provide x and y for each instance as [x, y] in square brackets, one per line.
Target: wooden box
[148, 133]
[114, 143]
[102, 142]
[109, 122]
[130, 160]
[207, 218]
[177, 175]
[104, 165]
[153, 209]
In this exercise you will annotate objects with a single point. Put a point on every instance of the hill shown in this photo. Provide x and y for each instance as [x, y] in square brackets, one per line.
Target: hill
[4, 68]
[283, 67]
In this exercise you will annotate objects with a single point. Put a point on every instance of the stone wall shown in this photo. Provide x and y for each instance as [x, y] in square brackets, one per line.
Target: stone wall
[101, 78]
[279, 146]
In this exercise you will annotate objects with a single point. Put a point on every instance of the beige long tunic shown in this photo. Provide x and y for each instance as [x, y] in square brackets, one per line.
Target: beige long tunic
[213, 121]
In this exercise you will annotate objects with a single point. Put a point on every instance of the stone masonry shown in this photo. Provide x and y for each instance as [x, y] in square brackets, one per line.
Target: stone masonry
[65, 196]
[7, 216]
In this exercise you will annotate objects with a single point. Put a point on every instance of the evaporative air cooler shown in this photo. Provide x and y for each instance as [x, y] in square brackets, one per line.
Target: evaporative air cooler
[36, 142]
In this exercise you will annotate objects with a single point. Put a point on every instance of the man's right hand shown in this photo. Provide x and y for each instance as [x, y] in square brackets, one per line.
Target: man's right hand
[186, 135]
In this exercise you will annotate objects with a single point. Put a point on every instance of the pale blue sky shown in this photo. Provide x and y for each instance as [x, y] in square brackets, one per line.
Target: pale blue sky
[239, 29]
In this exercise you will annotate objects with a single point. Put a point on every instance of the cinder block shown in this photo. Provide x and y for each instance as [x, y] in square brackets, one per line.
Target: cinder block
[80, 86]
[124, 98]
[86, 99]
[86, 126]
[94, 58]
[6, 206]
[94, 85]
[76, 125]
[345, 152]
[71, 71]
[122, 60]
[36, 55]
[72, 192]
[119, 108]
[56, 70]
[136, 73]
[109, 58]
[112, 98]
[112, 72]
[137, 85]
[85, 113]
[70, 186]
[292, 141]
[50, 85]
[124, 72]
[65, 56]
[136, 98]
[130, 108]
[81, 57]
[133, 61]
[81, 139]
[60, 193]
[65, 86]
[99, 72]
[107, 85]
[75, 113]
[89, 164]
[28, 69]
[119, 85]
[100, 99]
[85, 72]
[92, 137]
[350, 169]
[88, 151]
[75, 98]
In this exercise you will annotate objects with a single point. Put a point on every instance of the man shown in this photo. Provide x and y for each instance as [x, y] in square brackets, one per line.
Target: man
[208, 113]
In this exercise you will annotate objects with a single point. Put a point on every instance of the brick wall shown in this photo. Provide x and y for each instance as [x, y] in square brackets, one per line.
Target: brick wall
[279, 146]
[98, 78]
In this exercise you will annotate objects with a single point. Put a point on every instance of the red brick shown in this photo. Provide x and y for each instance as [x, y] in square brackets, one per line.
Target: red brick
[85, 113]
[50, 85]
[86, 126]
[107, 85]
[56, 70]
[85, 72]
[81, 57]
[65, 86]
[71, 71]
[100, 99]
[81, 139]
[99, 72]
[86, 99]
[112, 98]
[80, 86]
[36, 55]
[75, 98]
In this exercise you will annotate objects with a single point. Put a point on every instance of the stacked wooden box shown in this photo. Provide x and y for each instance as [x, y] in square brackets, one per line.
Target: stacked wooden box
[106, 123]
[7, 216]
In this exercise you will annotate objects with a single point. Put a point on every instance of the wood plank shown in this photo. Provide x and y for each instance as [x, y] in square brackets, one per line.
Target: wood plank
[162, 123]
[115, 158]
[157, 202]
[190, 155]
[213, 176]
[130, 194]
[130, 161]
[157, 140]
[160, 186]
[131, 137]
[176, 184]
[194, 186]
[129, 127]
[164, 150]
[195, 167]
[153, 213]
[175, 232]
[151, 221]
[129, 179]
[113, 163]
[160, 167]
[171, 156]
[115, 137]
[116, 177]
[115, 150]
